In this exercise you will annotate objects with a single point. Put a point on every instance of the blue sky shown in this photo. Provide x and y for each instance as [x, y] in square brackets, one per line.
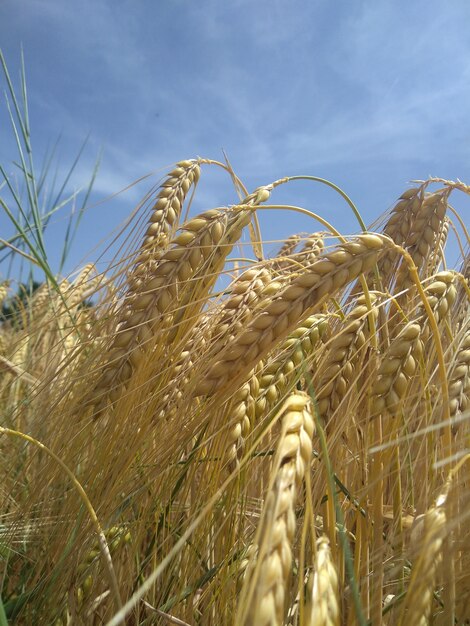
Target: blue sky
[369, 94]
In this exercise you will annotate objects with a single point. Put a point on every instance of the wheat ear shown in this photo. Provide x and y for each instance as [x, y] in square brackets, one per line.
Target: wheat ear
[4, 288]
[419, 596]
[322, 602]
[398, 365]
[283, 365]
[321, 280]
[286, 250]
[266, 582]
[288, 261]
[441, 293]
[313, 246]
[343, 358]
[252, 290]
[190, 265]
[398, 227]
[437, 253]
[425, 234]
[241, 412]
[160, 297]
[459, 373]
[165, 215]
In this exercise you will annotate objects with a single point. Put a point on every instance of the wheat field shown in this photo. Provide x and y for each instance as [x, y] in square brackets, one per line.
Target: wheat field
[201, 434]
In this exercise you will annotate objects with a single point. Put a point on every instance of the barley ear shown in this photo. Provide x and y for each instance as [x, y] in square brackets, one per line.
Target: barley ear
[419, 596]
[262, 600]
[322, 601]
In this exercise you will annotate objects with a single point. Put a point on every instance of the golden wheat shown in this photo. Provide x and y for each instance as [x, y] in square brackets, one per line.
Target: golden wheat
[324, 278]
[266, 581]
[219, 503]
[322, 603]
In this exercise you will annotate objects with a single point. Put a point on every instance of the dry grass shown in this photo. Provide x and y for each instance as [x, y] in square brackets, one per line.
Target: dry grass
[289, 449]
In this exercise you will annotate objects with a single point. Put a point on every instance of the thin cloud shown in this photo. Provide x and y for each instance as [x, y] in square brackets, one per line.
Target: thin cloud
[281, 87]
